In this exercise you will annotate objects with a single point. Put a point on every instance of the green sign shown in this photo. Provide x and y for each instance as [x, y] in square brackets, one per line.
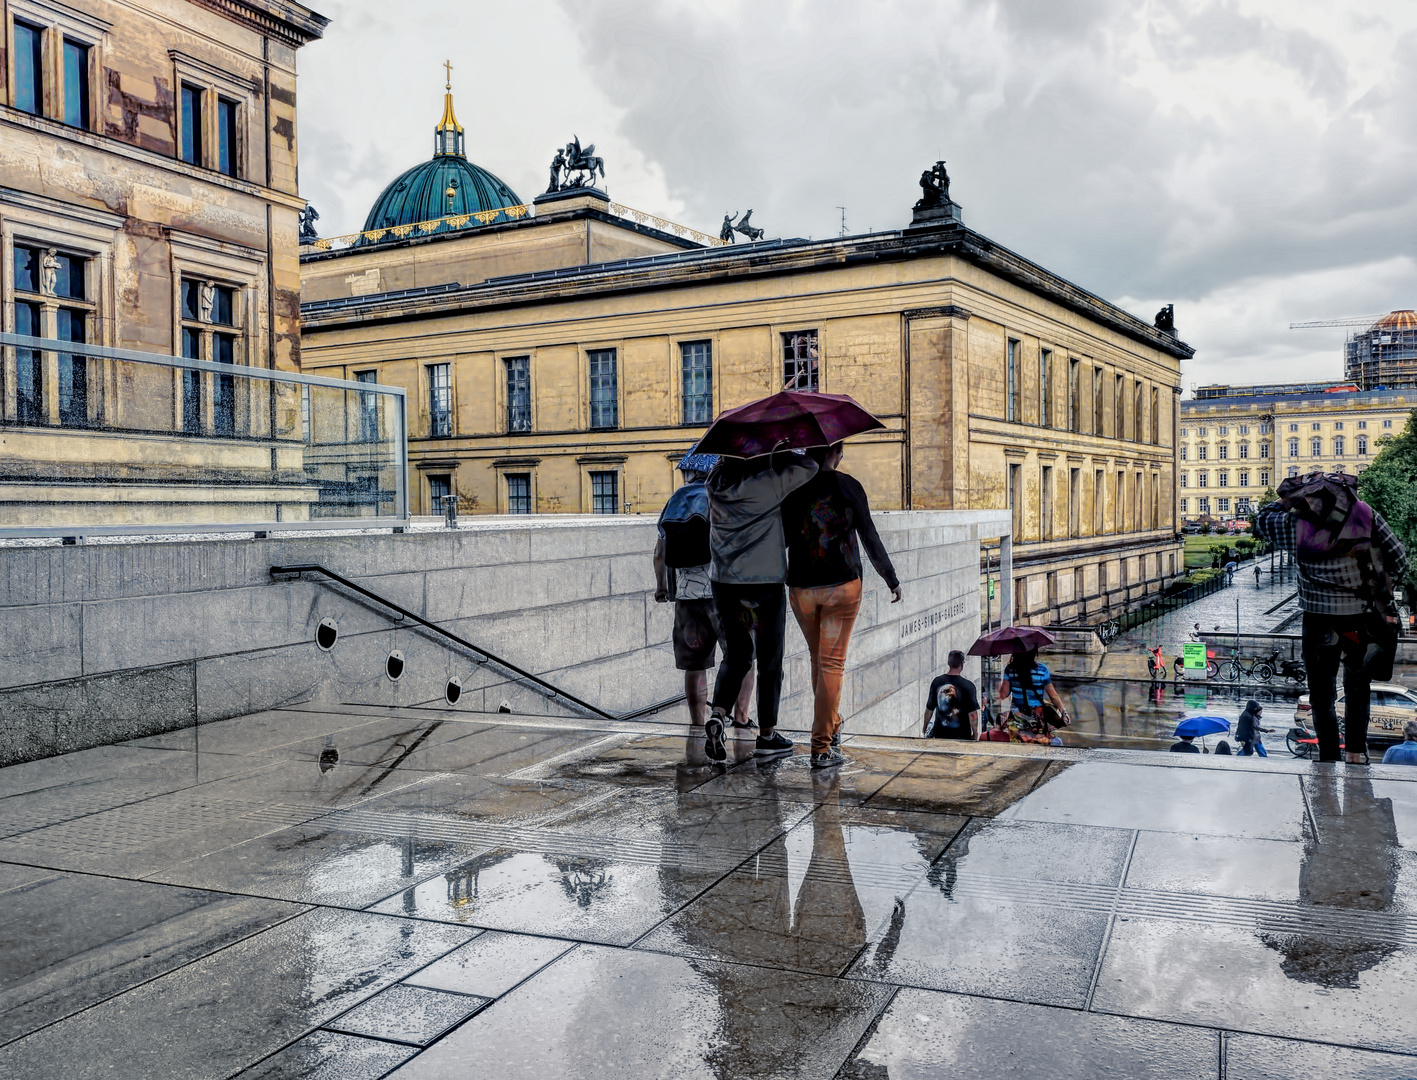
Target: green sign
[1195, 699]
[991, 594]
[1194, 653]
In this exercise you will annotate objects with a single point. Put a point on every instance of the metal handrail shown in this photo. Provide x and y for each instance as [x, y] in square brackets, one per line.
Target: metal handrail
[404, 613]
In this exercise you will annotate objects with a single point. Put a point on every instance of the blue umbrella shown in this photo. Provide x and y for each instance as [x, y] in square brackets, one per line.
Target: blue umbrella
[696, 462]
[1200, 726]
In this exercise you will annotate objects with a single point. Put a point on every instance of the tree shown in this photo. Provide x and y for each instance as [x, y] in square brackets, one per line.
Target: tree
[1389, 485]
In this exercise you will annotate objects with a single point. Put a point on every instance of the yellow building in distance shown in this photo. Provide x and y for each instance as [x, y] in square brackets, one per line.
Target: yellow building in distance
[148, 203]
[1239, 441]
[561, 357]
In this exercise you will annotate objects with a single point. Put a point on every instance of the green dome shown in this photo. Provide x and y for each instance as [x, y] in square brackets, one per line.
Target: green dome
[447, 186]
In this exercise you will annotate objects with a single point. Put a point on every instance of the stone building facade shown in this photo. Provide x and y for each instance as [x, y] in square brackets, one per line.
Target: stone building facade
[577, 389]
[148, 201]
[1233, 448]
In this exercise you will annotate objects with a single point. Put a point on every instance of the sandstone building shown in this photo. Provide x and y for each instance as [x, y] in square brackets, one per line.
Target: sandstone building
[561, 357]
[148, 202]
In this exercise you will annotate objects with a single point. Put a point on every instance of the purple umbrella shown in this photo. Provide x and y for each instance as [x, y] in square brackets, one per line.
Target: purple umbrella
[789, 420]
[1011, 639]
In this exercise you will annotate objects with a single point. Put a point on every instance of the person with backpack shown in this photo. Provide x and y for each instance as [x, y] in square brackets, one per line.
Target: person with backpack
[681, 573]
[1248, 732]
[821, 521]
[748, 569]
[1028, 692]
[1348, 558]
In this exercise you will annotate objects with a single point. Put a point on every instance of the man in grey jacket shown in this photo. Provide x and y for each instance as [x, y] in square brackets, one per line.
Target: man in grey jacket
[748, 569]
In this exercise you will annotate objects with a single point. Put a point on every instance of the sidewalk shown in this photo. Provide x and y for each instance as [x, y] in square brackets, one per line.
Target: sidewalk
[1260, 611]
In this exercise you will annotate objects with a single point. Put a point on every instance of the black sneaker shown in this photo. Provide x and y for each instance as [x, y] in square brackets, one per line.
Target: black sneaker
[713, 740]
[744, 725]
[773, 745]
[827, 760]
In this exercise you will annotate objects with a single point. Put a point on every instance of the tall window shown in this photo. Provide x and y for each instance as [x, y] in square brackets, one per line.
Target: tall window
[1184, 504]
[34, 268]
[518, 393]
[1224, 451]
[799, 360]
[1184, 479]
[1045, 403]
[29, 368]
[440, 486]
[1099, 500]
[224, 352]
[1097, 401]
[1316, 447]
[209, 313]
[190, 109]
[1119, 512]
[1138, 411]
[1074, 401]
[1155, 416]
[440, 400]
[518, 493]
[29, 68]
[71, 325]
[1016, 499]
[1184, 450]
[696, 372]
[192, 380]
[604, 390]
[1203, 479]
[226, 156]
[1204, 504]
[1202, 451]
[368, 407]
[1119, 407]
[1011, 383]
[76, 84]
[1074, 502]
[1244, 479]
[1264, 478]
[1222, 505]
[1045, 504]
[604, 493]
[1264, 450]
[1224, 478]
[1244, 450]
[1338, 446]
[1293, 447]
[1362, 446]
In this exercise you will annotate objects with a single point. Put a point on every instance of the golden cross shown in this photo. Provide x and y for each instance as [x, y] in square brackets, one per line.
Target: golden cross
[448, 64]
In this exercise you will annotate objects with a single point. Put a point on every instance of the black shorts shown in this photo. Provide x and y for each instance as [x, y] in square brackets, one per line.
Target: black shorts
[696, 634]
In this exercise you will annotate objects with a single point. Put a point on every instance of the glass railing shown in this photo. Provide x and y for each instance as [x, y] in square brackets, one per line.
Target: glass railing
[96, 440]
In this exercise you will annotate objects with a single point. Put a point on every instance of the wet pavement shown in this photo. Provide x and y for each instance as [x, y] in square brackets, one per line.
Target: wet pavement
[372, 892]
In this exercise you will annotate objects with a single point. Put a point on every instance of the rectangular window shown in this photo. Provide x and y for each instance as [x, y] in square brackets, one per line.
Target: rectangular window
[440, 486]
[69, 276]
[226, 136]
[1016, 500]
[1099, 499]
[1119, 407]
[1185, 479]
[1244, 429]
[1244, 479]
[224, 387]
[440, 399]
[1045, 404]
[1224, 430]
[604, 493]
[29, 68]
[1264, 478]
[1183, 452]
[1338, 425]
[1204, 505]
[1155, 416]
[1201, 451]
[1203, 479]
[1264, 450]
[1362, 446]
[76, 84]
[604, 389]
[1011, 383]
[73, 370]
[191, 121]
[1224, 479]
[1264, 429]
[1119, 511]
[1244, 450]
[1074, 502]
[1097, 401]
[192, 383]
[1074, 401]
[518, 393]
[1338, 445]
[1223, 505]
[799, 360]
[696, 369]
[1362, 425]
[518, 493]
[1138, 414]
[1316, 447]
[1224, 453]
[1045, 505]
[29, 369]
[223, 305]
[1185, 504]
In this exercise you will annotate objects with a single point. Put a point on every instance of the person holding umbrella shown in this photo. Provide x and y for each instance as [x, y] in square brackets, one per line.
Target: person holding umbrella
[822, 520]
[1027, 689]
[1197, 727]
[748, 564]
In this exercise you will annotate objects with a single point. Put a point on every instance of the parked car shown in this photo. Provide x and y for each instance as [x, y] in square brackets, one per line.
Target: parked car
[1392, 706]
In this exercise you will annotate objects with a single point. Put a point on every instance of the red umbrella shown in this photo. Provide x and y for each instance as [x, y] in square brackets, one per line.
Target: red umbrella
[1011, 639]
[788, 420]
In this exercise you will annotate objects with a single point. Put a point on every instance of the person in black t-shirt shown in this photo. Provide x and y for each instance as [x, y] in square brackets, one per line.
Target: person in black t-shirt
[952, 706]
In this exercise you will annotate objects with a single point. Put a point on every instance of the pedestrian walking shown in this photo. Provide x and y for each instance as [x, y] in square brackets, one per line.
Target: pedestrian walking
[1027, 691]
[1405, 752]
[1230, 568]
[681, 571]
[952, 705]
[1257, 572]
[821, 521]
[1348, 557]
[1248, 731]
[748, 568]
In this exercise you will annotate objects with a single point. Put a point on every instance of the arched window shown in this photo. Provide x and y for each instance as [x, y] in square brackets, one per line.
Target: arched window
[1316, 448]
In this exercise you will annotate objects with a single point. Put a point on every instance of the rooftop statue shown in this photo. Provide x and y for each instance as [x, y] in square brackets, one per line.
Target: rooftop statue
[308, 217]
[934, 187]
[574, 158]
[1166, 318]
[742, 227]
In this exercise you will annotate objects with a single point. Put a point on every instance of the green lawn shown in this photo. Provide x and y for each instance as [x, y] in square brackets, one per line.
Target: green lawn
[1199, 549]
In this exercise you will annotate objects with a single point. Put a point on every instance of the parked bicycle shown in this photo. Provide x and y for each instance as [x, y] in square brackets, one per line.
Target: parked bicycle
[1259, 668]
[1212, 669]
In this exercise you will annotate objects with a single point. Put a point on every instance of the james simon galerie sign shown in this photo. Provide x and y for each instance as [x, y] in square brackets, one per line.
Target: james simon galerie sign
[927, 622]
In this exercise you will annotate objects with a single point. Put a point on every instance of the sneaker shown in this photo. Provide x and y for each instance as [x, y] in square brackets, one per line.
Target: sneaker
[773, 745]
[744, 725]
[713, 739]
[827, 760]
[836, 739]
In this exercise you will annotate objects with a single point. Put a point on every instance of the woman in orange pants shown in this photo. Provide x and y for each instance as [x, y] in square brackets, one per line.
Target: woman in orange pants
[821, 521]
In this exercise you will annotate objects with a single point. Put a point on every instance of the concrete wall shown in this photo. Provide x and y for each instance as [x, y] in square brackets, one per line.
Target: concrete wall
[113, 641]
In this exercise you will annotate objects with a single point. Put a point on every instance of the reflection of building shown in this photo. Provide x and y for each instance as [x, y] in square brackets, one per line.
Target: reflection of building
[1233, 448]
[148, 202]
[561, 359]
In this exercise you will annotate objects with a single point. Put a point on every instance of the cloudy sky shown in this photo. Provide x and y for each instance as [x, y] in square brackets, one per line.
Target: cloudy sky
[1252, 161]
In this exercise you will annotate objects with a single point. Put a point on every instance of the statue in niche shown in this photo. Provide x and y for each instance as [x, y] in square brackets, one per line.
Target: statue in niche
[1166, 318]
[308, 217]
[934, 187]
[206, 301]
[579, 160]
[49, 272]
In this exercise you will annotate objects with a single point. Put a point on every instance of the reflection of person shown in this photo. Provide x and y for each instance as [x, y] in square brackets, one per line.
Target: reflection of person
[748, 566]
[1345, 577]
[1248, 730]
[821, 521]
[1186, 745]
[952, 705]
[1027, 690]
[1405, 752]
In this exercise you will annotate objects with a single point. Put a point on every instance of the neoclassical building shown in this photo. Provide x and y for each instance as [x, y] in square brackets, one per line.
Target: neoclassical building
[560, 356]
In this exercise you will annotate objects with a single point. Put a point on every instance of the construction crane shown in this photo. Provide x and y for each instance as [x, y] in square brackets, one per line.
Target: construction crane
[1352, 320]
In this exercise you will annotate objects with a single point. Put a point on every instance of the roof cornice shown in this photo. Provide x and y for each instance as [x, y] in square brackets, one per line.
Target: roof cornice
[293, 24]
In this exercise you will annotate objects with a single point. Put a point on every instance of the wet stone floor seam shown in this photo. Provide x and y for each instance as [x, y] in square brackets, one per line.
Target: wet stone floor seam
[326, 892]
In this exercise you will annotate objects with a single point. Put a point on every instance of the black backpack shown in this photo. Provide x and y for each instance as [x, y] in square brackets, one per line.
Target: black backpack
[684, 522]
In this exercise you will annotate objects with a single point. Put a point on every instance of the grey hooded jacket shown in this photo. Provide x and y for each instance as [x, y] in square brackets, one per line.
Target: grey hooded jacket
[745, 525]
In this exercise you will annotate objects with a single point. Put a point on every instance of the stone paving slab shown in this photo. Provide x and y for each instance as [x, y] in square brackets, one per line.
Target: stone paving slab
[504, 896]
